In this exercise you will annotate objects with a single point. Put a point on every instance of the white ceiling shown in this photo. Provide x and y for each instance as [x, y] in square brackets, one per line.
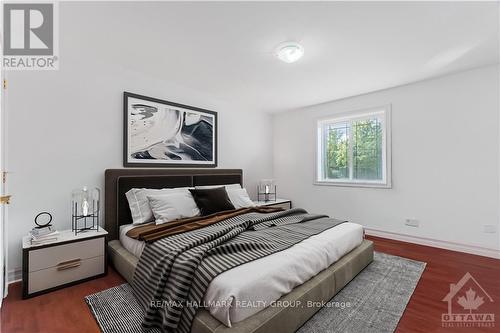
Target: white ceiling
[226, 49]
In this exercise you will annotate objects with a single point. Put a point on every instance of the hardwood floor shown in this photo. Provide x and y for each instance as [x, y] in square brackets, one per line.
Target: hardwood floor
[60, 311]
[423, 313]
[65, 310]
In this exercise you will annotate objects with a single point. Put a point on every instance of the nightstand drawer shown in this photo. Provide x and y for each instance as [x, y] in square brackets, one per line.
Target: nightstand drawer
[279, 203]
[56, 276]
[284, 205]
[60, 254]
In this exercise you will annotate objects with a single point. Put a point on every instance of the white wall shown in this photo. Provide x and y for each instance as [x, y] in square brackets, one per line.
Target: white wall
[65, 129]
[445, 165]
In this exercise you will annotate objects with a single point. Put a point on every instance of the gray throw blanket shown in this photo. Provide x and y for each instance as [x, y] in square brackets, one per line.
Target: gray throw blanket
[173, 273]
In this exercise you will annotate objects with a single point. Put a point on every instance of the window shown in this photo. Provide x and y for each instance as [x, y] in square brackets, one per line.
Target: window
[354, 149]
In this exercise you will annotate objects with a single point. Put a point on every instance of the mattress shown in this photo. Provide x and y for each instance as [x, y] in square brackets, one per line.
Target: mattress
[245, 290]
[133, 246]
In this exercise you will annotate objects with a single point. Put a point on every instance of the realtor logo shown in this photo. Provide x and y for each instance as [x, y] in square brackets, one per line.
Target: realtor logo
[466, 300]
[30, 36]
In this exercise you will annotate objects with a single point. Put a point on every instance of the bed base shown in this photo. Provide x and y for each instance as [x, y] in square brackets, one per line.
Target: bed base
[273, 319]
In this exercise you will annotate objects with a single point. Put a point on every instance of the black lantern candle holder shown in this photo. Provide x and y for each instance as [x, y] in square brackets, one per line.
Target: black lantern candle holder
[266, 190]
[85, 210]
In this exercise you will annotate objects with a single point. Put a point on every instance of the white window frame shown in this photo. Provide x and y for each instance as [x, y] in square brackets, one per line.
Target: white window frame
[386, 182]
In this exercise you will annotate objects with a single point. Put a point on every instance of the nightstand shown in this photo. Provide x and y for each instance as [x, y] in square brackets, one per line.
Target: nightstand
[283, 203]
[69, 260]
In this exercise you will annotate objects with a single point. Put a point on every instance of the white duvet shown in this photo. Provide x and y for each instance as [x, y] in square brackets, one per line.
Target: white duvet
[245, 290]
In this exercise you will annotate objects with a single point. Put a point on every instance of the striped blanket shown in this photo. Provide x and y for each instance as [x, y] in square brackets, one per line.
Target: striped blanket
[173, 273]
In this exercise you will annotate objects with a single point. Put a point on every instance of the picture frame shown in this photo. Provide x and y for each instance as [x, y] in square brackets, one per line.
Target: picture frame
[159, 133]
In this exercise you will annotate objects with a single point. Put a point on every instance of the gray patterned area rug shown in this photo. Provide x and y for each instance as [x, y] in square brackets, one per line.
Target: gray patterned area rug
[377, 298]
[373, 301]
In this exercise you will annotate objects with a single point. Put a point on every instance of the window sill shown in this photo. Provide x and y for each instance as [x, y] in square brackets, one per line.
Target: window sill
[353, 184]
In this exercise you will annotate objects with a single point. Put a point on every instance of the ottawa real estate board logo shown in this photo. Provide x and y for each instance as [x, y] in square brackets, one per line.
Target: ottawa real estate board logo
[469, 305]
[30, 36]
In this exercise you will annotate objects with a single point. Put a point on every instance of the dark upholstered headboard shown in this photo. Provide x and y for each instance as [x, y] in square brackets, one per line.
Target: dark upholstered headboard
[119, 181]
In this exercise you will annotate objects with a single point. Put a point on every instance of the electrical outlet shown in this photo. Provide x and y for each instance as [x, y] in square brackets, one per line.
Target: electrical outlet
[412, 223]
[490, 228]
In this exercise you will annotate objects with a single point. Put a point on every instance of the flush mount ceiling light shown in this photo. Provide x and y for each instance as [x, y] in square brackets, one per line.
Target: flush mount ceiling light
[289, 52]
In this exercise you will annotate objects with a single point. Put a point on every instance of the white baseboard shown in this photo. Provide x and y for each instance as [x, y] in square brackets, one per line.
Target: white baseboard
[14, 275]
[471, 249]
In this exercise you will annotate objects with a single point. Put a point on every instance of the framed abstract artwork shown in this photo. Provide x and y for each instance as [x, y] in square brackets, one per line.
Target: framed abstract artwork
[160, 133]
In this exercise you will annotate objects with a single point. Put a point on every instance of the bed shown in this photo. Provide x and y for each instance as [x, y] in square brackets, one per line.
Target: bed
[288, 276]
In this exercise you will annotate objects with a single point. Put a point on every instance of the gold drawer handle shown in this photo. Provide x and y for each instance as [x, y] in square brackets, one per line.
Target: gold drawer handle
[69, 264]
[62, 268]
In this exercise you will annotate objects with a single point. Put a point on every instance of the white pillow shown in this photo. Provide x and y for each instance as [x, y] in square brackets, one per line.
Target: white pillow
[173, 206]
[228, 187]
[139, 204]
[239, 198]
